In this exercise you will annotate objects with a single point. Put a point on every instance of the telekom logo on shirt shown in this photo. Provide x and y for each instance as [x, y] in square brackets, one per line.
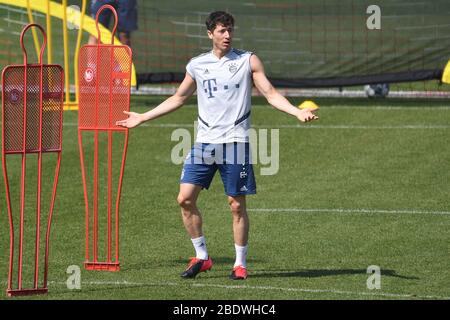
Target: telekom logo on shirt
[209, 87]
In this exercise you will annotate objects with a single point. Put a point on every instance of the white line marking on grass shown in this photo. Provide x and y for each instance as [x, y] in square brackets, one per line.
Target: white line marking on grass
[369, 211]
[314, 126]
[365, 108]
[385, 107]
[294, 126]
[317, 291]
[247, 287]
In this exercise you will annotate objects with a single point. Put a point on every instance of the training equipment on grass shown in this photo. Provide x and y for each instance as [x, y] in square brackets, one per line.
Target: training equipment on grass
[308, 104]
[104, 93]
[32, 106]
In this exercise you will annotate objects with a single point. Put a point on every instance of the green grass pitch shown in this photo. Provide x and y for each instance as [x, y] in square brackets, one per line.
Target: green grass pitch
[367, 184]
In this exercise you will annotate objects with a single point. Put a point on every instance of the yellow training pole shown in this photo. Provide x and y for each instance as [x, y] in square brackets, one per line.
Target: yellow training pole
[49, 34]
[33, 30]
[57, 12]
[66, 53]
[85, 23]
[77, 49]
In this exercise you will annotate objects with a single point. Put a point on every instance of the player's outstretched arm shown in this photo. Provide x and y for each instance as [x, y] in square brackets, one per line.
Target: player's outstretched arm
[184, 91]
[273, 96]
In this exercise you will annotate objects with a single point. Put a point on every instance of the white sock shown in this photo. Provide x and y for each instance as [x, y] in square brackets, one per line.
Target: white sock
[200, 248]
[241, 255]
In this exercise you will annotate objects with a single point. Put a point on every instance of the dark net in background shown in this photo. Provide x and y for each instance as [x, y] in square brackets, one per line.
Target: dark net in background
[320, 43]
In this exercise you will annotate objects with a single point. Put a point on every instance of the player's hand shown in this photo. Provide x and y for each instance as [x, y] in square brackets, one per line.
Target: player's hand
[134, 119]
[306, 115]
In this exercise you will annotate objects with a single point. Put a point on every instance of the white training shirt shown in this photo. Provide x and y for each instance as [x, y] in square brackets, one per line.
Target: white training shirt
[224, 88]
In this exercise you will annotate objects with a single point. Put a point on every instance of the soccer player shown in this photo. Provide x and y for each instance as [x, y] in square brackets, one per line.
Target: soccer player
[223, 78]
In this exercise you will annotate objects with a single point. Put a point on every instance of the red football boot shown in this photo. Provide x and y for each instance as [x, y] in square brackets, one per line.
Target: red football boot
[196, 266]
[239, 273]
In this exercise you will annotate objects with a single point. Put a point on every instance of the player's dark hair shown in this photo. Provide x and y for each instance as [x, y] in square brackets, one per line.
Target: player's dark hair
[219, 17]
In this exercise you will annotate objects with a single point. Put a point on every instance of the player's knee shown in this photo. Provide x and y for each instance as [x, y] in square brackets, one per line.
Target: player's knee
[185, 202]
[236, 207]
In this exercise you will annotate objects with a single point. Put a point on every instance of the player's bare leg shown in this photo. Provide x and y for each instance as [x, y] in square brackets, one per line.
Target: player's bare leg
[241, 227]
[240, 219]
[192, 220]
[187, 199]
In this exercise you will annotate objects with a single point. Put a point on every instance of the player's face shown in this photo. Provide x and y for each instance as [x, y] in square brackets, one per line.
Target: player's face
[221, 37]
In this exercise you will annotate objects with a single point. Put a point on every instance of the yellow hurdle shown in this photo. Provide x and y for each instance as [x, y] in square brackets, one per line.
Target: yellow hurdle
[48, 21]
[84, 23]
[37, 46]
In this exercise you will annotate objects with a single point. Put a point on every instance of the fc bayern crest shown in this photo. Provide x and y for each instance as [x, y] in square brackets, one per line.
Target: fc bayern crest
[89, 75]
[233, 67]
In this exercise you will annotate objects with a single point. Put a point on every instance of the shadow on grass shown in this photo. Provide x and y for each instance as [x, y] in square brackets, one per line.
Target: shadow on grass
[180, 263]
[226, 262]
[322, 273]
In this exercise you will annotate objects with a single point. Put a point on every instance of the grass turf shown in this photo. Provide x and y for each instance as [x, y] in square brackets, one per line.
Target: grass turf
[385, 163]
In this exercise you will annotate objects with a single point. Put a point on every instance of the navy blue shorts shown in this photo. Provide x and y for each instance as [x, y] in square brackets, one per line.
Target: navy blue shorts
[233, 160]
[126, 12]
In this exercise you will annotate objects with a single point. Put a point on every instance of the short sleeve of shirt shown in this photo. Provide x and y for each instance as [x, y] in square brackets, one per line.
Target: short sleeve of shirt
[190, 69]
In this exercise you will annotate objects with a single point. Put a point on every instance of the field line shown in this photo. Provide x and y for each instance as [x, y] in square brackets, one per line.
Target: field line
[387, 107]
[362, 107]
[316, 126]
[295, 126]
[249, 287]
[368, 211]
